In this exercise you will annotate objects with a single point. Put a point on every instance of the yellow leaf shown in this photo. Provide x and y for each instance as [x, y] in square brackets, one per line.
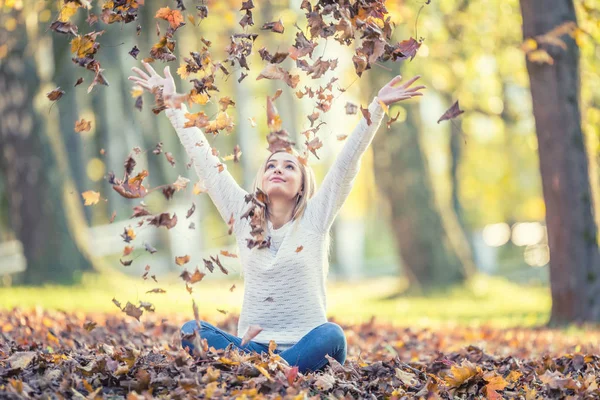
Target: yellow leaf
[264, 372]
[67, 11]
[460, 374]
[529, 45]
[540, 56]
[91, 197]
[579, 36]
[136, 91]
[385, 107]
[182, 71]
[199, 98]
[198, 188]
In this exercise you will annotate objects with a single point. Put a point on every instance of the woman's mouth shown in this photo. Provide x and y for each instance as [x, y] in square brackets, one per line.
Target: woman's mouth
[277, 180]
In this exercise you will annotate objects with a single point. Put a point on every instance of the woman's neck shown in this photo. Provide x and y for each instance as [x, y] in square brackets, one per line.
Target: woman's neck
[280, 212]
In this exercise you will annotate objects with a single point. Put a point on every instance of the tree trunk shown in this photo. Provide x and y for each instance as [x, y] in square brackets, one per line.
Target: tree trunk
[68, 113]
[571, 228]
[429, 256]
[572, 231]
[33, 181]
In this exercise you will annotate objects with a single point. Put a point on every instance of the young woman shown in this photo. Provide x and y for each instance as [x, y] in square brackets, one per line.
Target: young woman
[284, 283]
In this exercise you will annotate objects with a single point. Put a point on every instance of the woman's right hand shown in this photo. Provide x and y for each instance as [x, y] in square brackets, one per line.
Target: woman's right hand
[154, 79]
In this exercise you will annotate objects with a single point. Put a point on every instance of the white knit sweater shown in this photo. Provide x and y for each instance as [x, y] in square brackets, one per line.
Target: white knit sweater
[284, 290]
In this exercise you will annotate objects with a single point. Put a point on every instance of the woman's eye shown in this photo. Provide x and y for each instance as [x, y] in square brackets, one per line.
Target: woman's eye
[269, 166]
[290, 166]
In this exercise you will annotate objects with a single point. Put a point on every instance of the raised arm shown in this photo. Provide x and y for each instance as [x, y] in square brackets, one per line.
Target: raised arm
[224, 191]
[325, 205]
[336, 186]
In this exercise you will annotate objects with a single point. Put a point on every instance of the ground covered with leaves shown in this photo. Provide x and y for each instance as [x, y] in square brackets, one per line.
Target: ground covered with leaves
[75, 355]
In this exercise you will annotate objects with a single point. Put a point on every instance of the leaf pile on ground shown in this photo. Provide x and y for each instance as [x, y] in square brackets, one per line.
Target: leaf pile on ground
[54, 354]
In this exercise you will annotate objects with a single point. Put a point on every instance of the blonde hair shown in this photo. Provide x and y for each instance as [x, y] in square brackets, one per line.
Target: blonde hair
[308, 189]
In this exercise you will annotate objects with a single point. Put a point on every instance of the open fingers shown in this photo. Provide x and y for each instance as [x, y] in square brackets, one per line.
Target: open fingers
[140, 73]
[140, 82]
[415, 88]
[149, 68]
[410, 81]
[395, 80]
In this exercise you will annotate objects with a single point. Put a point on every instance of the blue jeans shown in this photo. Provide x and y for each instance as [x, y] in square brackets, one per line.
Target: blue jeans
[308, 354]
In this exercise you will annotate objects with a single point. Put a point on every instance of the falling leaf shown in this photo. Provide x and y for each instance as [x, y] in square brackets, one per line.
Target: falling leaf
[164, 220]
[174, 17]
[192, 278]
[149, 248]
[226, 253]
[276, 26]
[181, 183]
[191, 210]
[157, 290]
[90, 197]
[250, 334]
[366, 113]
[181, 260]
[299, 249]
[133, 311]
[55, 94]
[453, 112]
[126, 263]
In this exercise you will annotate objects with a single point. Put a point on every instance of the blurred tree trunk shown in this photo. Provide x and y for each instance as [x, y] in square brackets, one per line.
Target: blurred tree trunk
[430, 258]
[34, 183]
[572, 231]
[456, 149]
[69, 113]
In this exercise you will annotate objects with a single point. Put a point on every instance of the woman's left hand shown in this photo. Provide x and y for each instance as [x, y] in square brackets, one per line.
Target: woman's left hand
[390, 94]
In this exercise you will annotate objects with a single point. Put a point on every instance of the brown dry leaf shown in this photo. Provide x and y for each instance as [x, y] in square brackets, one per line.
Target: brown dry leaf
[157, 290]
[82, 126]
[453, 112]
[226, 253]
[460, 374]
[273, 71]
[181, 260]
[181, 183]
[250, 334]
[55, 94]
[174, 17]
[164, 220]
[133, 311]
[299, 249]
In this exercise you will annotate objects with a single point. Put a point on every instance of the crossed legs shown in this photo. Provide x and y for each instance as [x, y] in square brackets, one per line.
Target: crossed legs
[308, 354]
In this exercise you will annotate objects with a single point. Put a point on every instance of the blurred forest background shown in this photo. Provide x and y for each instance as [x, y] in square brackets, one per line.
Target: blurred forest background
[455, 220]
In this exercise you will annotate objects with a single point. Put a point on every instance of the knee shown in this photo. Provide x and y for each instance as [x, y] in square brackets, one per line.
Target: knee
[335, 333]
[191, 326]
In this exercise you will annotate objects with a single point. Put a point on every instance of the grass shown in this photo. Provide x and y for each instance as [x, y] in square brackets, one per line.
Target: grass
[482, 300]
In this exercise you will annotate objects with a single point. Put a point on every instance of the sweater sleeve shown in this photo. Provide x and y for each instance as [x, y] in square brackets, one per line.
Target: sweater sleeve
[222, 188]
[326, 203]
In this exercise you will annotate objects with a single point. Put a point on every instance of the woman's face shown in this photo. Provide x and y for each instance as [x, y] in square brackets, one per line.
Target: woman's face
[282, 177]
